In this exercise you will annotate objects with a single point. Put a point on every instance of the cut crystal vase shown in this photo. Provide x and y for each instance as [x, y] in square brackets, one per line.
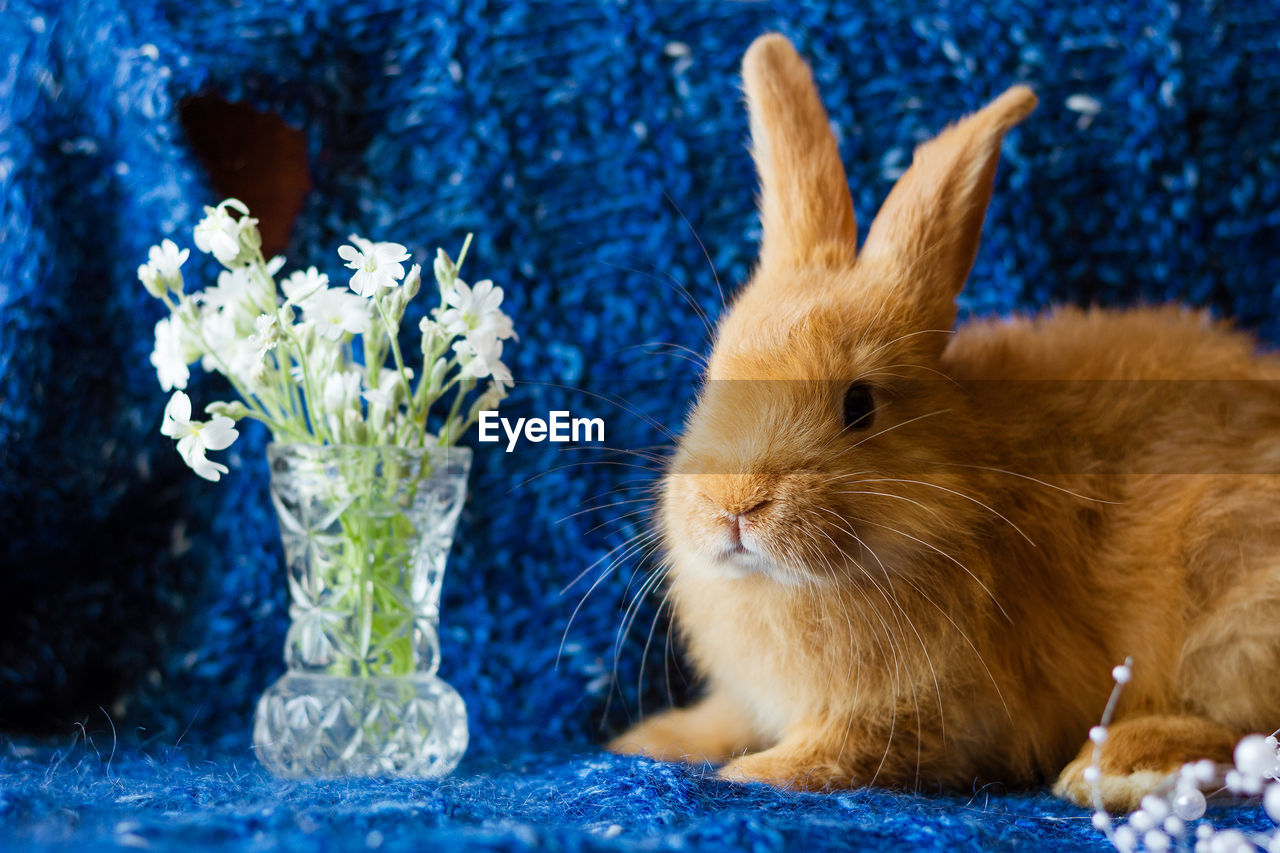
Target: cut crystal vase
[366, 533]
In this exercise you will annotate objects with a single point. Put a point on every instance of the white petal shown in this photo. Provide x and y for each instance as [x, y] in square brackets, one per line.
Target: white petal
[178, 409]
[391, 253]
[189, 447]
[225, 247]
[363, 283]
[207, 468]
[460, 296]
[219, 433]
[353, 256]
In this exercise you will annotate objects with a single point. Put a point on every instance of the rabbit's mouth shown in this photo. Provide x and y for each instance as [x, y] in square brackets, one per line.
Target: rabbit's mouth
[741, 557]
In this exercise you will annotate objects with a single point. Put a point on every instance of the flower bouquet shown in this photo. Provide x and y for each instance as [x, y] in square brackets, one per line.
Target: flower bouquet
[365, 475]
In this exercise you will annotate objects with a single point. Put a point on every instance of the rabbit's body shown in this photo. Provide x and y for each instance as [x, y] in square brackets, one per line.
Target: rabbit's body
[908, 557]
[1142, 560]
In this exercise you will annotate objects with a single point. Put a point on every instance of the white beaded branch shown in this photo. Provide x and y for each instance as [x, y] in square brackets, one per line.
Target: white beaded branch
[1160, 823]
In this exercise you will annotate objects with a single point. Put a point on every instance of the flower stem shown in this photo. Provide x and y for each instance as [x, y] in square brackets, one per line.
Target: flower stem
[395, 351]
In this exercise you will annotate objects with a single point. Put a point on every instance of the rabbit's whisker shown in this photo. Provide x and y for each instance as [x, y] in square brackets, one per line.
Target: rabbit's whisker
[989, 509]
[621, 403]
[629, 616]
[1034, 480]
[927, 509]
[939, 551]
[667, 279]
[701, 245]
[896, 604]
[879, 433]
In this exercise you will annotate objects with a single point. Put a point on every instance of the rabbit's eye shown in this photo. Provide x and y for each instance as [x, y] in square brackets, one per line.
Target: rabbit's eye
[859, 406]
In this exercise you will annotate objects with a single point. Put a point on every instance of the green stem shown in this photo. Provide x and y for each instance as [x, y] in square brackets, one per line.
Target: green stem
[462, 256]
[395, 351]
[464, 387]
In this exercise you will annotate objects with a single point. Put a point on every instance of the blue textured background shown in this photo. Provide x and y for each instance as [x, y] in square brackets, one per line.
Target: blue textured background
[557, 132]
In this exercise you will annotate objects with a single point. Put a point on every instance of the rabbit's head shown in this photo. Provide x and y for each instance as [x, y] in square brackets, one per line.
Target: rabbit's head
[827, 438]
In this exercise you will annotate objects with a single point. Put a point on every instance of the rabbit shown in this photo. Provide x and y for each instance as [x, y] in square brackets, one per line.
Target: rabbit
[905, 555]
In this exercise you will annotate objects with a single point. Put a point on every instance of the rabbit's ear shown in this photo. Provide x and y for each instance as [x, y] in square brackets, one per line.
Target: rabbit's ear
[925, 237]
[805, 208]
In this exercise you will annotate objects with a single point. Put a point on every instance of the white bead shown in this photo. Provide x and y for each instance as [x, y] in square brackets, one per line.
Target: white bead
[1093, 774]
[1121, 674]
[1155, 806]
[1156, 841]
[1098, 734]
[1254, 757]
[1271, 802]
[1274, 846]
[1141, 821]
[1206, 770]
[1126, 838]
[1204, 832]
[1190, 805]
[1230, 841]
[1233, 780]
[1174, 826]
[1101, 820]
[1251, 785]
[1202, 847]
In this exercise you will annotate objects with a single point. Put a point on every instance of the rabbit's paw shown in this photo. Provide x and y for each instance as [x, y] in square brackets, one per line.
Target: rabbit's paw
[1138, 754]
[788, 769]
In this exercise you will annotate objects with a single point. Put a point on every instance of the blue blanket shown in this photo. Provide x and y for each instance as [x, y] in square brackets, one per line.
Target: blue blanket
[574, 138]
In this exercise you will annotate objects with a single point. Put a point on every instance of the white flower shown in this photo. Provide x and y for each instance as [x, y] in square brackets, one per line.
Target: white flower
[162, 272]
[336, 313]
[170, 356]
[234, 292]
[377, 265]
[267, 334]
[342, 392]
[475, 312]
[390, 388]
[479, 362]
[302, 285]
[231, 351]
[195, 438]
[219, 233]
[431, 329]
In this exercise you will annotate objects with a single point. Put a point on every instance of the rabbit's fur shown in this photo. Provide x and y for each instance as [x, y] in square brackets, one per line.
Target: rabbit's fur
[937, 599]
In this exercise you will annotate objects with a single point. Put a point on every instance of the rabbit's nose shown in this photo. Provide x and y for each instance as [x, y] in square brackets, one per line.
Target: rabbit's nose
[736, 521]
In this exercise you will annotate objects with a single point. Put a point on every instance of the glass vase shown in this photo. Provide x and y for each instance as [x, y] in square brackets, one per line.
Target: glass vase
[366, 533]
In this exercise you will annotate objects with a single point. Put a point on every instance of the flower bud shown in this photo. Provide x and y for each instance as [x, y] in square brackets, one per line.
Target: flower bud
[437, 373]
[258, 374]
[394, 303]
[150, 278]
[444, 269]
[234, 409]
[250, 237]
[412, 283]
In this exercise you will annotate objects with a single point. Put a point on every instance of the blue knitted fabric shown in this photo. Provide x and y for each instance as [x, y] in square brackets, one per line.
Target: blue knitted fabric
[574, 138]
